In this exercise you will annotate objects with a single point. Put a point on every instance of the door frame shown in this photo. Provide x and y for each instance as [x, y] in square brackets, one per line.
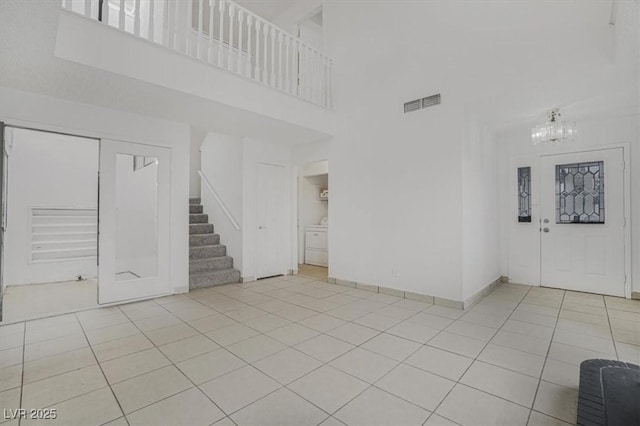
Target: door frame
[4, 184]
[626, 201]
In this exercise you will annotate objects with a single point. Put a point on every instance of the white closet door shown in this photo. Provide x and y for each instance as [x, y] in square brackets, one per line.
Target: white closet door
[270, 217]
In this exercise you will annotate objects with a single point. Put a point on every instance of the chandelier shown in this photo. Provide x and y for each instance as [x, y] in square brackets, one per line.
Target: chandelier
[553, 130]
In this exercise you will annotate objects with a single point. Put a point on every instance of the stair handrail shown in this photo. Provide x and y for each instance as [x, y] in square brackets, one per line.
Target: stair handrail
[218, 199]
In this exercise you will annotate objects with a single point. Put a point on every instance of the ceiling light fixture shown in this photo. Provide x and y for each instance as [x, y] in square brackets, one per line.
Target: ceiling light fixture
[553, 130]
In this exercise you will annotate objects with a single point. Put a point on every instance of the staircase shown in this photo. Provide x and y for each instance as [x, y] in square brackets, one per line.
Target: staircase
[209, 264]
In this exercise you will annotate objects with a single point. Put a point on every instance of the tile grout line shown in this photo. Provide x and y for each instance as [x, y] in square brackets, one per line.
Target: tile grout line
[331, 360]
[403, 362]
[476, 357]
[247, 364]
[101, 371]
[70, 371]
[24, 337]
[324, 363]
[615, 346]
[382, 305]
[177, 368]
[261, 372]
[425, 344]
[544, 364]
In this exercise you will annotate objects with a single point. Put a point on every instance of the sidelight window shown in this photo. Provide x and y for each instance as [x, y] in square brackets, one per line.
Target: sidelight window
[524, 194]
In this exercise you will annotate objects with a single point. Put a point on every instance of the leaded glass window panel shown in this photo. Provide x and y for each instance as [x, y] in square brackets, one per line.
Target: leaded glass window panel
[580, 192]
[524, 194]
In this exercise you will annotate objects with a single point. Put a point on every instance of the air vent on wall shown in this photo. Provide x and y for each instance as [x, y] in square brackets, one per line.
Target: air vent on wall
[426, 102]
[431, 101]
[413, 105]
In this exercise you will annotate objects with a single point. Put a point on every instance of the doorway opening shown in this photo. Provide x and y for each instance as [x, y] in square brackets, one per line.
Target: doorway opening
[50, 224]
[313, 219]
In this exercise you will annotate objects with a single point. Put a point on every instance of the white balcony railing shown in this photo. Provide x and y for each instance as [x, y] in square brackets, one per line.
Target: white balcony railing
[224, 34]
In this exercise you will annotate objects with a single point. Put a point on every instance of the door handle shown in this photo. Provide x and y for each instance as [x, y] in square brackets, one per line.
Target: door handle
[545, 229]
[262, 227]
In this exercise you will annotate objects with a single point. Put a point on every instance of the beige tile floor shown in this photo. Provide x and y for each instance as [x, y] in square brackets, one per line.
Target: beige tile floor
[292, 350]
[313, 271]
[23, 302]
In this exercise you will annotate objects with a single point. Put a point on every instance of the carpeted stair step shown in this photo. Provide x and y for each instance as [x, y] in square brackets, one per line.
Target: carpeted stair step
[195, 208]
[213, 278]
[204, 252]
[196, 240]
[198, 218]
[200, 228]
[195, 200]
[211, 264]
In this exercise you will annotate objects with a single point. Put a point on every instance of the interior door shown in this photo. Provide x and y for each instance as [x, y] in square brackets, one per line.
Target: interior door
[270, 213]
[134, 227]
[582, 221]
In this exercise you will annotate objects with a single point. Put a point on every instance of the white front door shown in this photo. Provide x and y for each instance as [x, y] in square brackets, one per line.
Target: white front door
[134, 257]
[270, 215]
[582, 221]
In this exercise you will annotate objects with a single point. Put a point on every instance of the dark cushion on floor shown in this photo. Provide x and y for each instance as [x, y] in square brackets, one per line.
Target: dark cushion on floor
[609, 393]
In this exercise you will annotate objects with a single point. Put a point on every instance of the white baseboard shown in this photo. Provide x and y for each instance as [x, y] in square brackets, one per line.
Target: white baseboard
[483, 292]
[425, 298]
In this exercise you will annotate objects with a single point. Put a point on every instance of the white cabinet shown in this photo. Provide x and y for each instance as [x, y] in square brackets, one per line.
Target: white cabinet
[316, 244]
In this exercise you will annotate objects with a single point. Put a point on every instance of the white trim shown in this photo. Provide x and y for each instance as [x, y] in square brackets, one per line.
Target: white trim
[75, 132]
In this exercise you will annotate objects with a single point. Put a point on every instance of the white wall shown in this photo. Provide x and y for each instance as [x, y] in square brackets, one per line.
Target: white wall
[417, 193]
[311, 33]
[480, 216]
[396, 179]
[31, 110]
[594, 130]
[310, 152]
[46, 170]
[222, 164]
[197, 137]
